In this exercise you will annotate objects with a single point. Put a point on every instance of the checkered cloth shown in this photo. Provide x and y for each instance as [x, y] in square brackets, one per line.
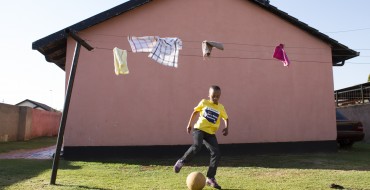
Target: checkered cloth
[163, 50]
[142, 44]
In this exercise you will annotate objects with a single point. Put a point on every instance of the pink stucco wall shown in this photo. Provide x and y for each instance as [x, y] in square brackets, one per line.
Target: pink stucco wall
[19, 123]
[266, 102]
[45, 123]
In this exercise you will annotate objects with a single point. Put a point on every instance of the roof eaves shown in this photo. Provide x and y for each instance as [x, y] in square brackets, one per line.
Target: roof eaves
[37, 104]
[53, 47]
[43, 106]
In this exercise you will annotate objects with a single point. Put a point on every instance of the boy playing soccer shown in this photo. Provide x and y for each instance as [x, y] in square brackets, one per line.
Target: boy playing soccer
[210, 111]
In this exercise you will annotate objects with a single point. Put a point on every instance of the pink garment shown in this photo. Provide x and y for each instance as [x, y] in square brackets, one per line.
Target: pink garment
[281, 55]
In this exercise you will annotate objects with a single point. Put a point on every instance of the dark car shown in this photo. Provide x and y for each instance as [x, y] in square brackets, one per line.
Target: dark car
[348, 131]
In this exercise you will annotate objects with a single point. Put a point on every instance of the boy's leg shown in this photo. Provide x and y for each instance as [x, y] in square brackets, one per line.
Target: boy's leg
[212, 145]
[196, 147]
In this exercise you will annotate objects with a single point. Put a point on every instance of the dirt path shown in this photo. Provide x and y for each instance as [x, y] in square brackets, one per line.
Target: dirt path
[42, 153]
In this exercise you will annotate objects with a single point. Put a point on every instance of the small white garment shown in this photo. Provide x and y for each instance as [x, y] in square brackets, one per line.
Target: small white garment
[163, 50]
[208, 45]
[120, 61]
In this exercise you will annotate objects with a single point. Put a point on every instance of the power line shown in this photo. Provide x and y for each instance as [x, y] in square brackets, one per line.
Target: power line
[352, 30]
[358, 63]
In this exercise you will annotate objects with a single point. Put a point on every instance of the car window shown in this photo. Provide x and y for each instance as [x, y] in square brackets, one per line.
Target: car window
[340, 116]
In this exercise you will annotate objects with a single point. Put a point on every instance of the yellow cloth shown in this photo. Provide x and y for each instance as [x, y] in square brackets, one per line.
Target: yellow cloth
[209, 117]
[120, 61]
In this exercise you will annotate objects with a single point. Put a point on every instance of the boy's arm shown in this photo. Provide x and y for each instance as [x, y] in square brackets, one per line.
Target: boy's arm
[225, 131]
[191, 120]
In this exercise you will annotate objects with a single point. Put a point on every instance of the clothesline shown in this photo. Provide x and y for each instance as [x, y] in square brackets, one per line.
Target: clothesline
[166, 51]
[227, 57]
[228, 49]
[234, 49]
[254, 58]
[122, 36]
[230, 43]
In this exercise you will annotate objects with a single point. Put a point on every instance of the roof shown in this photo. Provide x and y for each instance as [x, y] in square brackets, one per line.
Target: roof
[37, 105]
[340, 52]
[54, 46]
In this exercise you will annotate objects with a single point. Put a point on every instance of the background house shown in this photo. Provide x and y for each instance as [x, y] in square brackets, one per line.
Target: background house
[35, 105]
[271, 107]
[27, 121]
[354, 102]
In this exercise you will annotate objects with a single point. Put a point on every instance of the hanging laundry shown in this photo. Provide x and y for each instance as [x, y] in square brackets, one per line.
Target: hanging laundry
[280, 54]
[142, 44]
[120, 61]
[166, 51]
[208, 45]
[163, 50]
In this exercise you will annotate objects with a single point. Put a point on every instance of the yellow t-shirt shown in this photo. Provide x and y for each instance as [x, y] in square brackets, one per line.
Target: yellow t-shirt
[209, 116]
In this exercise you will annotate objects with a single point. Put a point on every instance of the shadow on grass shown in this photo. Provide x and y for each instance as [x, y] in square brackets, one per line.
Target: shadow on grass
[355, 158]
[96, 188]
[81, 187]
[16, 170]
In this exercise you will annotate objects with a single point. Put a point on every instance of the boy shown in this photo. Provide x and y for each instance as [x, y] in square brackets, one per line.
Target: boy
[210, 111]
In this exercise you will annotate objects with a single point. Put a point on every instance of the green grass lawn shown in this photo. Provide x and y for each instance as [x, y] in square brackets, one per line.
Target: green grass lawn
[349, 168]
[27, 145]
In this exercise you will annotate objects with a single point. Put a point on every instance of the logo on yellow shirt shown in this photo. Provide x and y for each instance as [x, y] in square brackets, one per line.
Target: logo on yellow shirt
[211, 115]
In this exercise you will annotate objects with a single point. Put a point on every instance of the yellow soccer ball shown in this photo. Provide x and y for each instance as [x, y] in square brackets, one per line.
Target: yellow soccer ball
[195, 181]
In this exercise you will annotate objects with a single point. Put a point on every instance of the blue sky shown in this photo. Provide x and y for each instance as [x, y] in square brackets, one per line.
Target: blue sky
[344, 21]
[25, 74]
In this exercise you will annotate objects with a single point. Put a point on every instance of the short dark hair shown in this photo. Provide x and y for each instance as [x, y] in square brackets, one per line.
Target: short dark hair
[215, 87]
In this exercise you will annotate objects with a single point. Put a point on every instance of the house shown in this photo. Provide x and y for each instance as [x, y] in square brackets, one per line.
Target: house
[272, 108]
[354, 103]
[34, 105]
[27, 120]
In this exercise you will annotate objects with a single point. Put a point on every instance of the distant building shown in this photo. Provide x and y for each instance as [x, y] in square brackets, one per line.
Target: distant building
[35, 105]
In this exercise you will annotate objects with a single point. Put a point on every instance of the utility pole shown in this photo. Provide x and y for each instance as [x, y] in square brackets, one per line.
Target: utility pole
[62, 126]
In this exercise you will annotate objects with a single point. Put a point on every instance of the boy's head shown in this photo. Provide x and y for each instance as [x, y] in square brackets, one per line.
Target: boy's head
[214, 94]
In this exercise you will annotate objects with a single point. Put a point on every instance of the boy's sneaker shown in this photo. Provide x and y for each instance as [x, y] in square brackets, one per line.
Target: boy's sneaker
[177, 167]
[212, 182]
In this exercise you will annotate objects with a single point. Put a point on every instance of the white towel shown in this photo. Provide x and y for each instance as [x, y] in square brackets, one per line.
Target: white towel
[163, 50]
[120, 61]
